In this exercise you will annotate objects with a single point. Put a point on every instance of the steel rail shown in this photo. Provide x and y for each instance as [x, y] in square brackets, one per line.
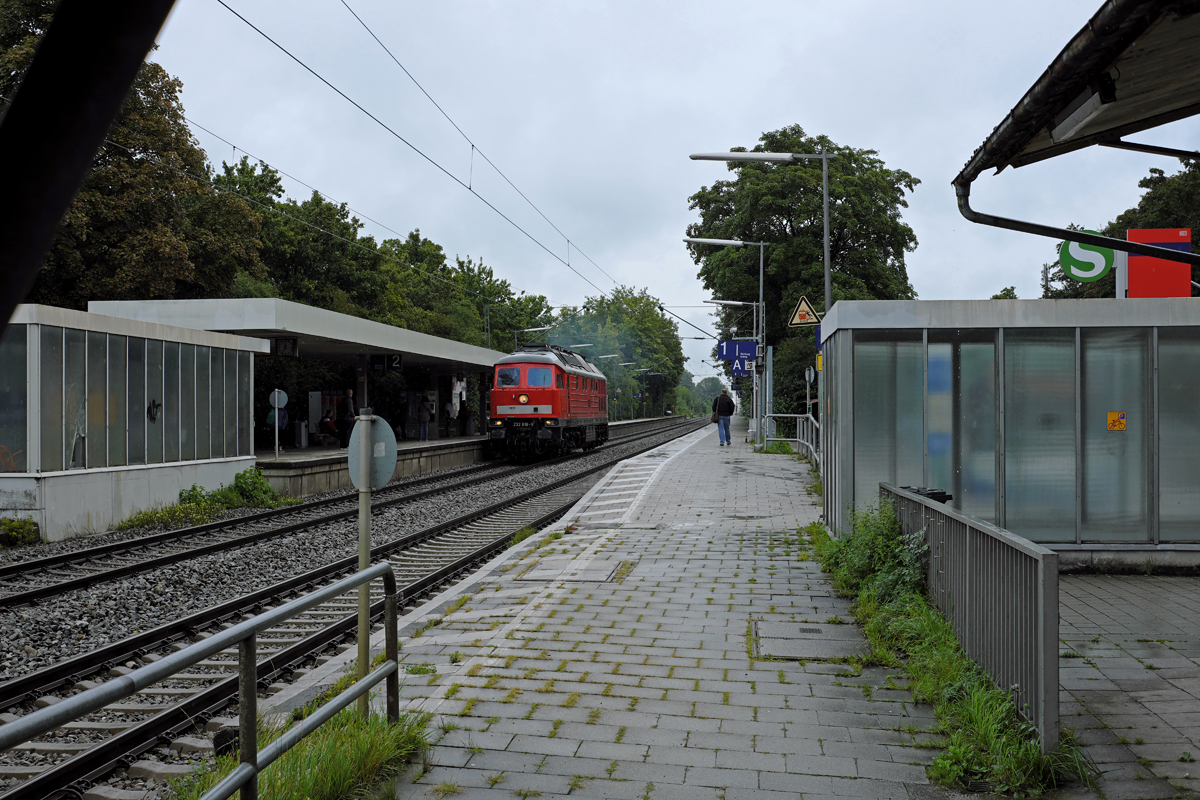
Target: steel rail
[45, 680]
[29, 596]
[72, 776]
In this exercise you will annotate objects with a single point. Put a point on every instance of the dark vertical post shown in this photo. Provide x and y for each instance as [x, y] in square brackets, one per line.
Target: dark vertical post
[391, 637]
[248, 711]
[364, 550]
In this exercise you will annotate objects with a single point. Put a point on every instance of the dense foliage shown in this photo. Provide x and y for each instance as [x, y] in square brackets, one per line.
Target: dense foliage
[1170, 201]
[782, 206]
[154, 220]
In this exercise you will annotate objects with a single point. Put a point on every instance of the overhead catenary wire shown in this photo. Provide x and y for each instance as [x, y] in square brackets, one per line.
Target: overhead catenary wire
[410, 145]
[475, 147]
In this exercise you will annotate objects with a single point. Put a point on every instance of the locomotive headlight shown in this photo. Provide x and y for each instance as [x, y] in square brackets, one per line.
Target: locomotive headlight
[497, 422]
[550, 423]
[523, 399]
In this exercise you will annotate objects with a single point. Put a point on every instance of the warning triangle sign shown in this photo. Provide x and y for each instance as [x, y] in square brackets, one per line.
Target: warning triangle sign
[804, 315]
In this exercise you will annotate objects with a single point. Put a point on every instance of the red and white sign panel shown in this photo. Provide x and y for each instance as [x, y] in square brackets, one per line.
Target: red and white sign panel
[1157, 277]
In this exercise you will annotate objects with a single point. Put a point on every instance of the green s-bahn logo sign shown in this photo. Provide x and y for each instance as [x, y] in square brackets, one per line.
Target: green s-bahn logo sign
[1085, 262]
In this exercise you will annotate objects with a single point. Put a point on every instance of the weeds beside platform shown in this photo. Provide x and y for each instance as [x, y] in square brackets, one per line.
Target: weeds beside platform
[988, 745]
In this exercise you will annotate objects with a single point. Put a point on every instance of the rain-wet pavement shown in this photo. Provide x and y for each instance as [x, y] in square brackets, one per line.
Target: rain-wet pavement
[1130, 680]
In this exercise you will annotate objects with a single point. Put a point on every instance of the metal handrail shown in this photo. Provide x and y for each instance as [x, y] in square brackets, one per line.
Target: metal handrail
[244, 636]
[808, 432]
[999, 592]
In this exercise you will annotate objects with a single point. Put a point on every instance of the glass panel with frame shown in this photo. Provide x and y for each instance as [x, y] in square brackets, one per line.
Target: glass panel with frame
[202, 402]
[888, 411]
[230, 403]
[74, 397]
[187, 402]
[171, 401]
[1115, 367]
[118, 351]
[137, 401]
[1178, 435]
[154, 401]
[1039, 433]
[14, 399]
[245, 434]
[216, 402]
[96, 438]
[52, 398]
[962, 418]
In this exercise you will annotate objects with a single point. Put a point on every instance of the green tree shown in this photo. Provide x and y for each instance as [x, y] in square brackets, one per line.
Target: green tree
[628, 323]
[1170, 201]
[146, 223]
[781, 204]
[507, 310]
[1007, 293]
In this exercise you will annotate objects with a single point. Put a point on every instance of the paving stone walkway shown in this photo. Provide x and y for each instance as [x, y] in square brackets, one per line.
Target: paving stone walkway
[1133, 692]
[618, 661]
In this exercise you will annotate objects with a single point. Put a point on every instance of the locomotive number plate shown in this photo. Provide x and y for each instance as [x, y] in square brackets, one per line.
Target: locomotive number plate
[523, 409]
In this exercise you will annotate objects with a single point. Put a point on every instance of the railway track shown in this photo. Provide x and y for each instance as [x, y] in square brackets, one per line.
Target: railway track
[26, 582]
[66, 761]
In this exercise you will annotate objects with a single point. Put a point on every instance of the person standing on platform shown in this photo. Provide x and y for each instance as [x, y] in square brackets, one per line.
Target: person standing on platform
[423, 419]
[723, 409]
[347, 411]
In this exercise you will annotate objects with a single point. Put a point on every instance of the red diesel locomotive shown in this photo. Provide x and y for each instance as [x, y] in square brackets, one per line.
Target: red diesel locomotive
[547, 400]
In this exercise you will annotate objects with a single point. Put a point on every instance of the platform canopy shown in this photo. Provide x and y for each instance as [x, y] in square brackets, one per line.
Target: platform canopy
[305, 331]
[1135, 65]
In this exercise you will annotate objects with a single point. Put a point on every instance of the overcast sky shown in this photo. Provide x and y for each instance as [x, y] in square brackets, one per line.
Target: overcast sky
[591, 109]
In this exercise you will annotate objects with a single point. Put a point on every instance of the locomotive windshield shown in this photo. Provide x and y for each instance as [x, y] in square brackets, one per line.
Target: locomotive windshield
[508, 376]
[540, 376]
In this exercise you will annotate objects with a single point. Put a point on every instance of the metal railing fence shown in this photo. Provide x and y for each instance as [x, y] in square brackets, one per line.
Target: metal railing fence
[1000, 593]
[245, 776]
[806, 431]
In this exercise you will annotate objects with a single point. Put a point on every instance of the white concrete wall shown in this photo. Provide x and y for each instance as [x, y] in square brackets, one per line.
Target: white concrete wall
[69, 504]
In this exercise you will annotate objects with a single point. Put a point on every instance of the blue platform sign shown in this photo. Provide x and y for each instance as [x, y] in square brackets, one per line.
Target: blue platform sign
[731, 349]
[743, 366]
[818, 330]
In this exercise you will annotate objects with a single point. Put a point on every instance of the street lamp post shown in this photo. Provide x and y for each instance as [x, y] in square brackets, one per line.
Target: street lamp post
[760, 317]
[790, 158]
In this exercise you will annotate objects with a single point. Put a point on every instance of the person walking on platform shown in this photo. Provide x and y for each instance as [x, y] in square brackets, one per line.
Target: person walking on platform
[347, 411]
[723, 408]
[423, 419]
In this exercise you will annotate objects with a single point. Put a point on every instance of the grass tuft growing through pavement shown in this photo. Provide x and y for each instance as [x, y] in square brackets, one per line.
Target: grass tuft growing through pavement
[343, 758]
[988, 744]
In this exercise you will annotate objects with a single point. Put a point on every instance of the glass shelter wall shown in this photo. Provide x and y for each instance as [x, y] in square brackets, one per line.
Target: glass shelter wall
[1072, 435]
[106, 400]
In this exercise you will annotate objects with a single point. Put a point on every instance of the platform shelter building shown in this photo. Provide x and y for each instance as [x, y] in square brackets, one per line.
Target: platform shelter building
[1073, 423]
[101, 416]
[432, 367]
